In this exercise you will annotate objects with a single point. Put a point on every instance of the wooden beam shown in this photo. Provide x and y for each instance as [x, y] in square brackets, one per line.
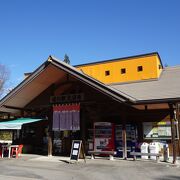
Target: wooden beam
[17, 108]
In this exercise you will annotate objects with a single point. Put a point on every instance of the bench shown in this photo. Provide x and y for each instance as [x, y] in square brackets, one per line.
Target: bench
[134, 154]
[110, 153]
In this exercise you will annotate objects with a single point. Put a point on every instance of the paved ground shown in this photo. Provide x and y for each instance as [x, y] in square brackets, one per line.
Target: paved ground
[31, 167]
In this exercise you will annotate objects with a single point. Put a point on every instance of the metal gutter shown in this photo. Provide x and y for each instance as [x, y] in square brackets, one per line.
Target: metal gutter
[156, 101]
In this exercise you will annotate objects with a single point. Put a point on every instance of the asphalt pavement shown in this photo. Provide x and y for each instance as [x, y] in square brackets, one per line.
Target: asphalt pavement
[31, 167]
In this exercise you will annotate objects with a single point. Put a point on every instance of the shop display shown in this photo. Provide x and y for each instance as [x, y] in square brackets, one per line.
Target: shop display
[90, 140]
[57, 142]
[6, 136]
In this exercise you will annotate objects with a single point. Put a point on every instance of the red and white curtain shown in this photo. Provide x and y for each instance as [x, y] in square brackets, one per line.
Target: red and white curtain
[66, 117]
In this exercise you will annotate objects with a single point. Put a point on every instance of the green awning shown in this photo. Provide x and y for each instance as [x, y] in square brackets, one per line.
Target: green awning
[17, 123]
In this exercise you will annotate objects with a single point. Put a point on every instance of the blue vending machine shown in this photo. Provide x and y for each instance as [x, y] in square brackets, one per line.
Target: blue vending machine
[131, 136]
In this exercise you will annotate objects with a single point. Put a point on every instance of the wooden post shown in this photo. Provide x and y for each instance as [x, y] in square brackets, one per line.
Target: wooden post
[50, 119]
[82, 125]
[178, 121]
[124, 140]
[49, 144]
[173, 133]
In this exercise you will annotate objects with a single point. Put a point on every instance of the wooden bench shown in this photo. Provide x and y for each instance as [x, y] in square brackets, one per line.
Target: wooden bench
[134, 154]
[110, 153]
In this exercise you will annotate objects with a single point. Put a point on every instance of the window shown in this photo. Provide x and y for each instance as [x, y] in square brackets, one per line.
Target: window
[139, 68]
[107, 73]
[123, 71]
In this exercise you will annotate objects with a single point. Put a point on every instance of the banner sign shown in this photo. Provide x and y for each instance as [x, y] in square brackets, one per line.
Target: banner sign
[68, 98]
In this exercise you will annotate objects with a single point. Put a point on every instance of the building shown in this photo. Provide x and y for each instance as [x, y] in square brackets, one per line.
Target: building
[123, 70]
[128, 100]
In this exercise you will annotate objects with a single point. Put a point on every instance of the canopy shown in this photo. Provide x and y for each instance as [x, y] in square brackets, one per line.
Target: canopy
[17, 123]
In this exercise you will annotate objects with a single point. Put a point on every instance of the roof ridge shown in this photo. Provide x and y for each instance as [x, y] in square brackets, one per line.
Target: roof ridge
[121, 58]
[171, 67]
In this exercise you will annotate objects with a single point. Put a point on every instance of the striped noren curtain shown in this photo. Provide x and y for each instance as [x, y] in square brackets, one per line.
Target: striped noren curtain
[66, 117]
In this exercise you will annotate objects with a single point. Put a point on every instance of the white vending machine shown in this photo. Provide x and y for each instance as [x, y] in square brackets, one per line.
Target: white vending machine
[154, 148]
[144, 149]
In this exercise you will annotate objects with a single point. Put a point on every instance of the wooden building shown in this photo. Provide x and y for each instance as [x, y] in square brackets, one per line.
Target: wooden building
[149, 102]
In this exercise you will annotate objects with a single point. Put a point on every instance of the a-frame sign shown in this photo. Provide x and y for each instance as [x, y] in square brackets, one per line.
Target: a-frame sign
[77, 149]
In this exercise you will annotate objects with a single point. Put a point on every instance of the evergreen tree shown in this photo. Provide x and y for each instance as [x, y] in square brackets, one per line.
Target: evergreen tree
[66, 59]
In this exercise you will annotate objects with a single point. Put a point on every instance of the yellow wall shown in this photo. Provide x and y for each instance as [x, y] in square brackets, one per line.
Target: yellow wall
[159, 70]
[150, 65]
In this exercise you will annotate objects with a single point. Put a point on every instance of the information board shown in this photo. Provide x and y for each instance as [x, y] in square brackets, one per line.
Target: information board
[157, 130]
[76, 149]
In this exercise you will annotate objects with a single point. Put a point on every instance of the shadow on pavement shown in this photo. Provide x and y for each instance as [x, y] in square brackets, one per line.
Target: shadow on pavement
[172, 177]
[65, 161]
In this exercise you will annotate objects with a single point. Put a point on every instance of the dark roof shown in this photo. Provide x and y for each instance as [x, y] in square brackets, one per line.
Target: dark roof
[166, 88]
[122, 59]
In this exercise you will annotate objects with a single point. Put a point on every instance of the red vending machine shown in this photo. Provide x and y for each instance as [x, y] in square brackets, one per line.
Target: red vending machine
[104, 136]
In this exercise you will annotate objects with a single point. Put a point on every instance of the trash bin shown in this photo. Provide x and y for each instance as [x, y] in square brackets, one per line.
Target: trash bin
[144, 149]
[154, 148]
[165, 152]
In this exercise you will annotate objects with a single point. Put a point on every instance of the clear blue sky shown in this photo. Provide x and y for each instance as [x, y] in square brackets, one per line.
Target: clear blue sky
[87, 30]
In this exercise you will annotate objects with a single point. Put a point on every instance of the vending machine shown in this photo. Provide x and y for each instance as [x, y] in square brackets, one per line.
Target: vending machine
[131, 137]
[104, 136]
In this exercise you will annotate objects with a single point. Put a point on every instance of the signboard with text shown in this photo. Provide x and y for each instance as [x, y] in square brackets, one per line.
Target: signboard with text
[67, 98]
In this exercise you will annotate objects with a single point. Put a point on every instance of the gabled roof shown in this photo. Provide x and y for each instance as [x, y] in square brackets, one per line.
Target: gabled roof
[48, 73]
[164, 89]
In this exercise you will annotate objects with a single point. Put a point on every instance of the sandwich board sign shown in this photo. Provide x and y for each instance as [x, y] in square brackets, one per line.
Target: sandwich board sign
[76, 150]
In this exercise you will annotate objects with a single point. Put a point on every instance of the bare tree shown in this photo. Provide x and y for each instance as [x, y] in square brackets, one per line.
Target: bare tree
[4, 75]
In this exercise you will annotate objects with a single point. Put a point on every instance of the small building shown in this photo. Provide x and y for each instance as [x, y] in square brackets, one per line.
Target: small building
[115, 104]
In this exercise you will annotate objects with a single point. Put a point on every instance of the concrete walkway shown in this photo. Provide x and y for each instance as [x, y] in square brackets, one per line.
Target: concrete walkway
[56, 167]
[33, 157]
